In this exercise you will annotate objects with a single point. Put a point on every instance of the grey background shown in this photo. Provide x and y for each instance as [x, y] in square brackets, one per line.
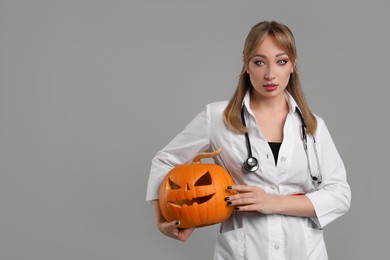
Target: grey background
[91, 90]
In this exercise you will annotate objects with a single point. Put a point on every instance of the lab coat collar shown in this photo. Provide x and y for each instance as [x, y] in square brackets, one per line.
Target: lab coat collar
[292, 104]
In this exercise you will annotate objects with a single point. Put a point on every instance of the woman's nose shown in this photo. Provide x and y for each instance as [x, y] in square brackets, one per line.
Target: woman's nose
[269, 73]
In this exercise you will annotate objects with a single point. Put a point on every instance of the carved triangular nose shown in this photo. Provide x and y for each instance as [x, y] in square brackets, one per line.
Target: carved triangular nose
[187, 187]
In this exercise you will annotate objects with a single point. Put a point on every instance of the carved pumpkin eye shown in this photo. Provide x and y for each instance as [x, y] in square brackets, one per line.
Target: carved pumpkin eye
[204, 180]
[171, 185]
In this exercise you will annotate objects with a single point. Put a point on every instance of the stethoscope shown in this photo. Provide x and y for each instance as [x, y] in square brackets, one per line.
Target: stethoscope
[251, 164]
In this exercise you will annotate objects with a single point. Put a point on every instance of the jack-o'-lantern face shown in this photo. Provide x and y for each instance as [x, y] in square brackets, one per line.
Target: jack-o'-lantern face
[197, 189]
[194, 194]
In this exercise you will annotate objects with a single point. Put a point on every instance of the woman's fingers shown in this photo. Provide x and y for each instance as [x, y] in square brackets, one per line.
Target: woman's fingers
[248, 198]
[245, 192]
[172, 230]
[241, 199]
[241, 188]
[184, 234]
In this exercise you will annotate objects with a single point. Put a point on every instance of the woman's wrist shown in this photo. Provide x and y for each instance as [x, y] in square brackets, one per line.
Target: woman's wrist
[292, 205]
[159, 216]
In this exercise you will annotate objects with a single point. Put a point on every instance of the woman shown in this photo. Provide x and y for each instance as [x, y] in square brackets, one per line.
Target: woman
[284, 201]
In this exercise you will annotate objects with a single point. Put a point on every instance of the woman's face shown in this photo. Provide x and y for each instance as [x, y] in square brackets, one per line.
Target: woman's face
[269, 69]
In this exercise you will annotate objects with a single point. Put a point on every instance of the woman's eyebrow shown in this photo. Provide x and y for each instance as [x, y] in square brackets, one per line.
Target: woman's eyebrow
[265, 57]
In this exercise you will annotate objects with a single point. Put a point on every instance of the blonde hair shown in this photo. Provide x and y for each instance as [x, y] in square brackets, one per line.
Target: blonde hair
[284, 37]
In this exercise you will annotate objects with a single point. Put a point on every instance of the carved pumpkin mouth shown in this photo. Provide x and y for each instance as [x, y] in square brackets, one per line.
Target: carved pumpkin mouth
[199, 200]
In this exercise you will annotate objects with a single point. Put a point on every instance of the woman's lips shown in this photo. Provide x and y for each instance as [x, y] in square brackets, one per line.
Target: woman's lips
[270, 87]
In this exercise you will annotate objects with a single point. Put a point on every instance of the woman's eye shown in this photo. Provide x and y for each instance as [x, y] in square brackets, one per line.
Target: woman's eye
[259, 62]
[282, 62]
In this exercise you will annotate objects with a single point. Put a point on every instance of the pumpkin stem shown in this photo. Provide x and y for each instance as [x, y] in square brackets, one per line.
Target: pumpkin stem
[198, 157]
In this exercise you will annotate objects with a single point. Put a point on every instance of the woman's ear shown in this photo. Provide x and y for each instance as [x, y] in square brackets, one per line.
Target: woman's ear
[246, 70]
[292, 68]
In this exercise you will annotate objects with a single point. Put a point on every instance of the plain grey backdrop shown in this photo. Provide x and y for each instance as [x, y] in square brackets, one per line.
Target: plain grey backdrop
[91, 90]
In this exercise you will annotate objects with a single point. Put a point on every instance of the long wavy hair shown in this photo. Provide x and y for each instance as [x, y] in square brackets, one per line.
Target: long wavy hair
[284, 37]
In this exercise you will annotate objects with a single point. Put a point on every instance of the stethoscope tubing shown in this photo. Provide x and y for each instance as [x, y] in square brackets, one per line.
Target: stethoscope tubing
[251, 163]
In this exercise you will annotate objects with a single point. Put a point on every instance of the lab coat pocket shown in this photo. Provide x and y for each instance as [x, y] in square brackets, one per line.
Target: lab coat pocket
[315, 243]
[230, 245]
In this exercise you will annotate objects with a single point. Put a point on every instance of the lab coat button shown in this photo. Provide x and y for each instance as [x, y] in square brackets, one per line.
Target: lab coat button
[276, 247]
[273, 187]
[283, 159]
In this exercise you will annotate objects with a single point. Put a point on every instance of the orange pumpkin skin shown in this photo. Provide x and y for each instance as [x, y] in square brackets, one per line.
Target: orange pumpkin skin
[194, 194]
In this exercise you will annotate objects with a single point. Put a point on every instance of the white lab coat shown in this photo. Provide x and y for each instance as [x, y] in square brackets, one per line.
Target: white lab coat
[251, 235]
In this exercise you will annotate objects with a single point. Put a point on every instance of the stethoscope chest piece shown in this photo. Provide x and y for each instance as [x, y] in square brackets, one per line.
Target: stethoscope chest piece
[251, 164]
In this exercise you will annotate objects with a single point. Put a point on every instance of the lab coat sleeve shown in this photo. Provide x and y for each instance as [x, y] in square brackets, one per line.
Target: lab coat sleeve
[195, 138]
[333, 197]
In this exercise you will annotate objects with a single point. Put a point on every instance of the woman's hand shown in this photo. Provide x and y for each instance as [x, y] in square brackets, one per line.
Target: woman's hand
[171, 229]
[251, 198]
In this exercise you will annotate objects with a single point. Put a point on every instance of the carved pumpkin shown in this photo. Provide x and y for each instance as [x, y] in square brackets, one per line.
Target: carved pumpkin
[194, 193]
